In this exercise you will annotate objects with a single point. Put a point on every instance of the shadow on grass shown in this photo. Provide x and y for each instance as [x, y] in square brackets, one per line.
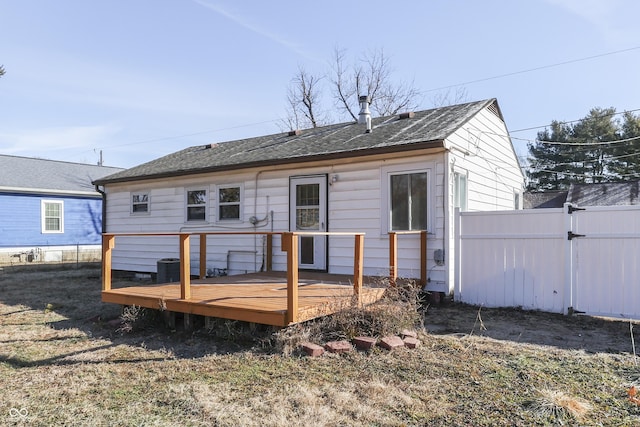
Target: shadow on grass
[586, 333]
[63, 298]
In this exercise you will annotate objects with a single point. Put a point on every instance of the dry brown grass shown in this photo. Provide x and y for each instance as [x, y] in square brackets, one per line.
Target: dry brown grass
[558, 407]
[399, 309]
[64, 362]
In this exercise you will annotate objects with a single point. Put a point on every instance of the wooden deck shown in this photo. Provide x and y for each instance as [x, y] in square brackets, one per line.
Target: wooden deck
[271, 298]
[256, 297]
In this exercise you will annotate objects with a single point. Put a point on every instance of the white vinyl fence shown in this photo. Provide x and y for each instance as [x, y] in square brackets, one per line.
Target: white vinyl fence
[574, 259]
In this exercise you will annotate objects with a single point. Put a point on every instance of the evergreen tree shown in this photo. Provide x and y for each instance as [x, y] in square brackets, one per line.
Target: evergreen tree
[626, 162]
[585, 152]
[547, 169]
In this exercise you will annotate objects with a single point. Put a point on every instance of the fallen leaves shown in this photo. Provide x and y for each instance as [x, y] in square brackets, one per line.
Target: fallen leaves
[633, 392]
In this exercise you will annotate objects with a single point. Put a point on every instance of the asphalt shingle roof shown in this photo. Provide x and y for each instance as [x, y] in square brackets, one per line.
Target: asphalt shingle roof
[594, 194]
[49, 176]
[605, 194]
[339, 140]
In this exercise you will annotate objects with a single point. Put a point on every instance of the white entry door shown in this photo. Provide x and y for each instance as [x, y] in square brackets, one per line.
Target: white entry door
[308, 212]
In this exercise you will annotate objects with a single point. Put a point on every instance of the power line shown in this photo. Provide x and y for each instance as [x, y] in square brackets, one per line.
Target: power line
[558, 64]
[195, 133]
[428, 90]
[574, 121]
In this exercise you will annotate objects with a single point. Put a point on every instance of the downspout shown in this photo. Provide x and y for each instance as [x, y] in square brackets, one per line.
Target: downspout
[104, 208]
[447, 222]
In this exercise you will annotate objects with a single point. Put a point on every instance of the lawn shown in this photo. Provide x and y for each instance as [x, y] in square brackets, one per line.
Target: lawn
[68, 359]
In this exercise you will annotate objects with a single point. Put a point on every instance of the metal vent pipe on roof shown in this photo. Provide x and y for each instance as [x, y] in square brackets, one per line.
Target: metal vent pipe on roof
[365, 115]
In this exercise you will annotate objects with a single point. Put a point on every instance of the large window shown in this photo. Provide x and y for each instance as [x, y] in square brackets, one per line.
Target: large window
[197, 205]
[229, 202]
[139, 203]
[460, 191]
[408, 202]
[52, 214]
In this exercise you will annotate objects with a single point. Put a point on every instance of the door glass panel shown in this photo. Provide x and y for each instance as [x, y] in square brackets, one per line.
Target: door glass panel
[308, 207]
[306, 249]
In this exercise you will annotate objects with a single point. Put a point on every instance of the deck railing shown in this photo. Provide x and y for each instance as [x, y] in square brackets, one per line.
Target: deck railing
[393, 255]
[290, 244]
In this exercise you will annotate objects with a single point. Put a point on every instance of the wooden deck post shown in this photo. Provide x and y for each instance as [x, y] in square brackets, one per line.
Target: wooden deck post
[358, 266]
[185, 267]
[290, 244]
[269, 255]
[108, 243]
[203, 256]
[393, 258]
[423, 258]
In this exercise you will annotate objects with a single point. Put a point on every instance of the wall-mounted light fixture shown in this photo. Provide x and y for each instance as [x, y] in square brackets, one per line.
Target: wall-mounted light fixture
[334, 178]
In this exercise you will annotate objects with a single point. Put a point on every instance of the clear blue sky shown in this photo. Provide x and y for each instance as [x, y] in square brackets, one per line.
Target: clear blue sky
[139, 79]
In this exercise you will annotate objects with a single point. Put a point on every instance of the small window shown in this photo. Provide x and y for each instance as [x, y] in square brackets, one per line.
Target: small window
[139, 203]
[52, 213]
[229, 203]
[408, 201]
[460, 191]
[197, 205]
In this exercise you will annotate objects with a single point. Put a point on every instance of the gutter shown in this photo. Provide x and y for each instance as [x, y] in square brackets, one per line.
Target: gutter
[421, 145]
[45, 191]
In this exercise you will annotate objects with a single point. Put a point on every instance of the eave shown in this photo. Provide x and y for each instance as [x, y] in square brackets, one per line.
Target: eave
[287, 161]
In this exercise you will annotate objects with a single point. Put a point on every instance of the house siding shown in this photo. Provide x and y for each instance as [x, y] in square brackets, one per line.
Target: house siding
[22, 240]
[482, 149]
[354, 205]
[20, 221]
[357, 202]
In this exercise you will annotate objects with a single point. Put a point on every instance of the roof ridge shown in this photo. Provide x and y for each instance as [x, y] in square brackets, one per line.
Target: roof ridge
[58, 161]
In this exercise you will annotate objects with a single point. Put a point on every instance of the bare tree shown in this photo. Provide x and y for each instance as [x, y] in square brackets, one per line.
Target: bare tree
[303, 99]
[345, 86]
[370, 75]
[443, 98]
[1, 70]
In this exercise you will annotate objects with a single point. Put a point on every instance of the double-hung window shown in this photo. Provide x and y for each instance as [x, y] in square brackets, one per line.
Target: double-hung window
[139, 203]
[197, 205]
[408, 200]
[52, 216]
[229, 202]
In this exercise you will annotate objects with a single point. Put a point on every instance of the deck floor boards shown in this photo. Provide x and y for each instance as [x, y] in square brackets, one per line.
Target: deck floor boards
[256, 297]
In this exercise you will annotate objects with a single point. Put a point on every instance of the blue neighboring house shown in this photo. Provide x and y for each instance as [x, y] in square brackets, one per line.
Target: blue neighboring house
[49, 210]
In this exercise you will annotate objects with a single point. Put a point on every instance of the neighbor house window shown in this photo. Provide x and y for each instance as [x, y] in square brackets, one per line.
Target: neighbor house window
[139, 203]
[229, 202]
[197, 205]
[408, 201]
[52, 213]
[460, 191]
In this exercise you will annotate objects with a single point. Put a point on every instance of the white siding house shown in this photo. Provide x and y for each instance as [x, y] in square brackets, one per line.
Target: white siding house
[408, 173]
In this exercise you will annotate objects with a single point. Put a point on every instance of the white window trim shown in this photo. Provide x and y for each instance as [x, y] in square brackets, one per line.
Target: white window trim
[206, 204]
[517, 194]
[133, 193]
[385, 194]
[43, 204]
[241, 203]
[464, 173]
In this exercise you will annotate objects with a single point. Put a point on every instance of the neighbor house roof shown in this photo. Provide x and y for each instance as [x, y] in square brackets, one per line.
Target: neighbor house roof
[423, 129]
[605, 194]
[29, 175]
[544, 199]
[600, 194]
